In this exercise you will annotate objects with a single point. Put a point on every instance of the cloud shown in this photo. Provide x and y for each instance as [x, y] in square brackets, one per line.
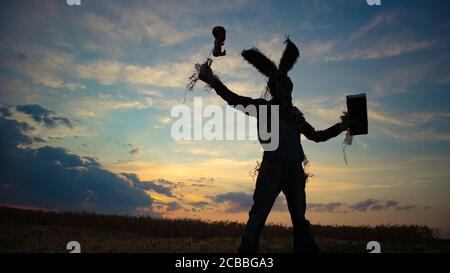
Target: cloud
[241, 202]
[100, 25]
[429, 135]
[408, 207]
[206, 179]
[272, 48]
[47, 125]
[400, 79]
[99, 106]
[167, 207]
[171, 206]
[371, 47]
[177, 9]
[384, 48]
[378, 116]
[237, 201]
[368, 205]
[364, 205]
[378, 205]
[139, 22]
[105, 72]
[52, 68]
[14, 87]
[425, 117]
[149, 185]
[200, 204]
[381, 20]
[4, 112]
[316, 49]
[75, 86]
[110, 71]
[41, 115]
[43, 65]
[167, 183]
[54, 178]
[201, 182]
[328, 207]
[135, 151]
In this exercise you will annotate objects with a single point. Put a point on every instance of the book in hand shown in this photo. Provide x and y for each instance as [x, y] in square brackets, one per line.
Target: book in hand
[357, 110]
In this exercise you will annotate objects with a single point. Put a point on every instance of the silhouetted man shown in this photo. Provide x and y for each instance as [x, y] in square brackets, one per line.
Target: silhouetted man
[281, 169]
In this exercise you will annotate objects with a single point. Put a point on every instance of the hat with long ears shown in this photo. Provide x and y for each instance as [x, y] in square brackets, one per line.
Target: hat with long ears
[266, 66]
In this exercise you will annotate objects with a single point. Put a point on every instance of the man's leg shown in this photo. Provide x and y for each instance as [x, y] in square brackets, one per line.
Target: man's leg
[267, 189]
[294, 190]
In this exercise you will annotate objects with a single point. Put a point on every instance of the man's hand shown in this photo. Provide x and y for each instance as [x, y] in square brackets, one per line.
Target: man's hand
[205, 74]
[346, 122]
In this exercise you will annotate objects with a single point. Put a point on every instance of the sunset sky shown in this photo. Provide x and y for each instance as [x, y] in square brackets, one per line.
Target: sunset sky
[86, 94]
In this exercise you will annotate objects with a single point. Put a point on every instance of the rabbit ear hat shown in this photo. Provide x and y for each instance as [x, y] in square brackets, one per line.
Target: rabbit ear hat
[268, 67]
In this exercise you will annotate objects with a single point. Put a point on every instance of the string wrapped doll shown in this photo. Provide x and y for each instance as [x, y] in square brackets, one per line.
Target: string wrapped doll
[219, 34]
[281, 169]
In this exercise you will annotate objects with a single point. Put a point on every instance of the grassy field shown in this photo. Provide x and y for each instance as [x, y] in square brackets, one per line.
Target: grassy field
[38, 231]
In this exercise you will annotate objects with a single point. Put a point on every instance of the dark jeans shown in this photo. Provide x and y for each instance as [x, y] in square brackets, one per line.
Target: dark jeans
[276, 175]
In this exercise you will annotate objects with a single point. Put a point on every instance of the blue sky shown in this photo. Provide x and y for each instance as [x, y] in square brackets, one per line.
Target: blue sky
[116, 68]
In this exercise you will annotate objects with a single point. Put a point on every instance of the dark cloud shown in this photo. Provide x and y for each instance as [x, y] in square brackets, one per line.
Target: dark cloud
[4, 112]
[238, 201]
[38, 140]
[171, 206]
[241, 201]
[42, 115]
[167, 183]
[378, 205]
[367, 205]
[13, 133]
[135, 151]
[22, 57]
[167, 206]
[325, 207]
[148, 185]
[54, 178]
[363, 206]
[390, 204]
[200, 204]
[407, 207]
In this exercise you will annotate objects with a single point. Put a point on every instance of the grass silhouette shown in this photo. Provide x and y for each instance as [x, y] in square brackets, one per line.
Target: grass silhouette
[47, 231]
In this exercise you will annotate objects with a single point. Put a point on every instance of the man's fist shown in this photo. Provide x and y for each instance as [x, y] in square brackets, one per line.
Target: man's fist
[346, 122]
[205, 73]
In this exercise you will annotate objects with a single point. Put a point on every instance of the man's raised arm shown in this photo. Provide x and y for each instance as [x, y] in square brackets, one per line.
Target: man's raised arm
[229, 96]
